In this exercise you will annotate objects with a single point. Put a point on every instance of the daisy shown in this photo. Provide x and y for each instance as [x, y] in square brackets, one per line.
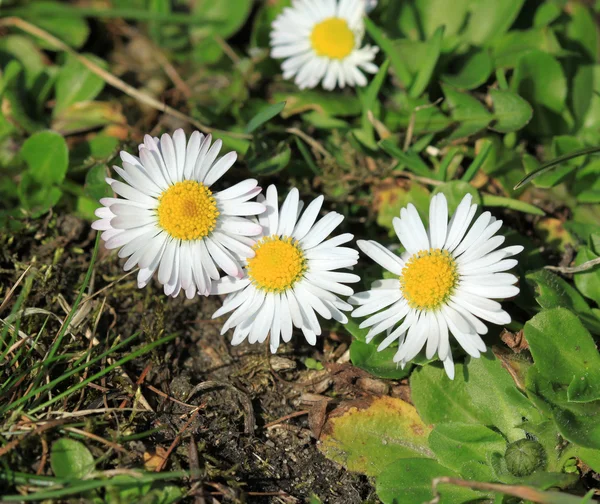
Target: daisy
[170, 220]
[447, 281]
[291, 277]
[320, 40]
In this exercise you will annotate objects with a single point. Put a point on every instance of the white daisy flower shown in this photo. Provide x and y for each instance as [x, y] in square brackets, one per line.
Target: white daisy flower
[447, 281]
[170, 220]
[292, 277]
[320, 40]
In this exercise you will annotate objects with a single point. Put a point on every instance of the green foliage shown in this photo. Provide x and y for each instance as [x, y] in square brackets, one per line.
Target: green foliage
[497, 99]
[71, 459]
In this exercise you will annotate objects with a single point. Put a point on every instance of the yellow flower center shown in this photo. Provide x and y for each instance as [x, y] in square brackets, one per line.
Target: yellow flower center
[428, 279]
[278, 264]
[187, 210]
[332, 38]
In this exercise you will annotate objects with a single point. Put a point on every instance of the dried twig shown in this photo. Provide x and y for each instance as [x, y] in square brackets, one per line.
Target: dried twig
[569, 270]
[109, 78]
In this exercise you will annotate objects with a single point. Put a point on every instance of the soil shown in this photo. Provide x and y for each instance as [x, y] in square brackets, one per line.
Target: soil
[214, 407]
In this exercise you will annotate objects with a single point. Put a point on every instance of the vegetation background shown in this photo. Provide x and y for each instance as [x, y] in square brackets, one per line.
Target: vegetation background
[113, 394]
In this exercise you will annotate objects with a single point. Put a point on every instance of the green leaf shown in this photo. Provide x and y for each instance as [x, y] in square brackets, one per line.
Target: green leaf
[482, 392]
[70, 459]
[576, 422]
[553, 292]
[471, 70]
[266, 114]
[380, 364]
[590, 457]
[95, 183]
[221, 18]
[269, 162]
[489, 19]
[47, 156]
[74, 31]
[582, 29]
[467, 448]
[76, 83]
[409, 481]
[491, 200]
[391, 200]
[468, 112]
[511, 112]
[551, 165]
[87, 115]
[565, 353]
[372, 434]
[411, 159]
[540, 79]
[323, 103]
[387, 46]
[427, 66]
[588, 282]
[455, 191]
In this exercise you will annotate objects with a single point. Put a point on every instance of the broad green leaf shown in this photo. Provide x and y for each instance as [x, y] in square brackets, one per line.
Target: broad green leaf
[455, 191]
[427, 66]
[265, 115]
[409, 481]
[22, 49]
[583, 30]
[87, 115]
[72, 30]
[95, 183]
[70, 459]
[489, 19]
[47, 157]
[470, 71]
[511, 112]
[539, 78]
[432, 14]
[590, 457]
[221, 18]
[423, 115]
[466, 448]
[576, 422]
[554, 292]
[76, 83]
[482, 392]
[508, 49]
[380, 364]
[468, 112]
[588, 282]
[374, 433]
[565, 353]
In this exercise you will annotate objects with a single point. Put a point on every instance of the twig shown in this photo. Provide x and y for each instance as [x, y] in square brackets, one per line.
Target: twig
[114, 446]
[286, 417]
[13, 288]
[310, 141]
[162, 394]
[176, 441]
[109, 78]
[567, 270]
[520, 491]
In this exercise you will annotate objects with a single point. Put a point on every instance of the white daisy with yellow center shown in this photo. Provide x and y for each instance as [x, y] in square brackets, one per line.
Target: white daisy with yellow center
[291, 277]
[448, 279]
[320, 41]
[170, 219]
